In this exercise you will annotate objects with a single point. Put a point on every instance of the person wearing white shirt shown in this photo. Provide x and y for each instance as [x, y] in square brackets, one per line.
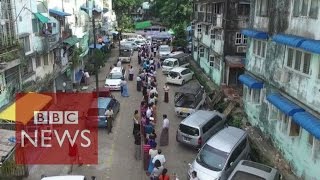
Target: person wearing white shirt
[149, 112]
[159, 157]
[119, 63]
[154, 91]
[164, 137]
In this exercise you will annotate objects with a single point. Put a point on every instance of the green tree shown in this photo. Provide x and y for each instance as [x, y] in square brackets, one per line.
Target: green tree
[75, 60]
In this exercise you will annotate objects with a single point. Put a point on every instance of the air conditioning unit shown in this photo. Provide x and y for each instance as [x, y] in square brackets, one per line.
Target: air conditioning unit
[241, 49]
[285, 76]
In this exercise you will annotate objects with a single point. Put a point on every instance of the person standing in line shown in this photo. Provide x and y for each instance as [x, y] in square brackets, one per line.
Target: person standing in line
[119, 63]
[136, 124]
[154, 51]
[131, 72]
[146, 157]
[166, 93]
[109, 119]
[157, 170]
[164, 175]
[86, 76]
[124, 86]
[159, 157]
[137, 142]
[139, 83]
[164, 137]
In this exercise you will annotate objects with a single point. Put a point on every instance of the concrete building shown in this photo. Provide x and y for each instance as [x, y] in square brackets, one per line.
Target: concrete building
[218, 45]
[281, 86]
[10, 53]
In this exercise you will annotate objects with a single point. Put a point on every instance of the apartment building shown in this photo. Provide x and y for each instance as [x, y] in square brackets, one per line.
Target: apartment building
[282, 79]
[218, 45]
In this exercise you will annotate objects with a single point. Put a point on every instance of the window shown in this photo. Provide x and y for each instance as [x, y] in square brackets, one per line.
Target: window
[253, 95]
[284, 123]
[20, 18]
[274, 113]
[195, 48]
[35, 25]
[259, 48]
[199, 28]
[207, 30]
[243, 9]
[212, 34]
[240, 39]
[211, 61]
[319, 71]
[196, 7]
[217, 8]
[236, 153]
[38, 61]
[28, 67]
[45, 60]
[26, 43]
[208, 126]
[298, 60]
[306, 8]
[201, 52]
[294, 128]
[315, 144]
[262, 7]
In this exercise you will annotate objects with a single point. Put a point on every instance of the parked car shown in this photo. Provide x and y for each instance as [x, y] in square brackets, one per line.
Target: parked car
[222, 152]
[96, 114]
[113, 79]
[175, 60]
[67, 177]
[129, 45]
[164, 51]
[200, 126]
[125, 55]
[252, 170]
[189, 98]
[179, 75]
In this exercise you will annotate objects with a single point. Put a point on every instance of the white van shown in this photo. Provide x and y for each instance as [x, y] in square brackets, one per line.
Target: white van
[69, 177]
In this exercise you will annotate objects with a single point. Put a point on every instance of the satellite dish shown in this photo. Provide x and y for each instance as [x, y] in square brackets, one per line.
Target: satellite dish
[3, 22]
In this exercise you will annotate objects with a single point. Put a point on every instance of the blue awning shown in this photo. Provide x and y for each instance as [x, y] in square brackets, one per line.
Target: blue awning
[98, 46]
[250, 81]
[290, 40]
[59, 13]
[308, 122]
[105, 39]
[255, 34]
[286, 106]
[311, 46]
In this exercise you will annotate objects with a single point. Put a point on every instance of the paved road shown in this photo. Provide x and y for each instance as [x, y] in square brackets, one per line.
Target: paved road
[116, 150]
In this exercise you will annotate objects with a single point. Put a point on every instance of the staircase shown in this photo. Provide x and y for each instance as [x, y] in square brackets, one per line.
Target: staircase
[229, 108]
[215, 99]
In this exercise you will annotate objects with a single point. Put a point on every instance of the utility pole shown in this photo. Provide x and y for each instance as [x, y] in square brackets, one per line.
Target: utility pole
[119, 36]
[94, 47]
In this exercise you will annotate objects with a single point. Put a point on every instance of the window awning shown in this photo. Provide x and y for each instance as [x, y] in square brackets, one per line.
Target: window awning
[98, 46]
[41, 18]
[255, 34]
[250, 81]
[59, 13]
[308, 122]
[28, 104]
[311, 46]
[290, 40]
[286, 106]
[71, 40]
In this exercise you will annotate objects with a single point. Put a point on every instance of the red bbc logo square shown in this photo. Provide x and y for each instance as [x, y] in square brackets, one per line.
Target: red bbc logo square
[54, 129]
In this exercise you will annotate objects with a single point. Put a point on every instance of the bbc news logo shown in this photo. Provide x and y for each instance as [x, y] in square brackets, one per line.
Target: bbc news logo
[40, 138]
[55, 117]
[49, 132]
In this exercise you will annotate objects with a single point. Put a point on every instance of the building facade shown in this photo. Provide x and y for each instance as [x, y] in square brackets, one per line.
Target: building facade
[281, 84]
[218, 45]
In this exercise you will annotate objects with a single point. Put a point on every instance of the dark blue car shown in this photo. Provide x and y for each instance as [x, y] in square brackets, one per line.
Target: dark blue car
[98, 109]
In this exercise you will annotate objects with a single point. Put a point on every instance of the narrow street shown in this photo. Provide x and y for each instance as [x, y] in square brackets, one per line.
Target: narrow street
[116, 150]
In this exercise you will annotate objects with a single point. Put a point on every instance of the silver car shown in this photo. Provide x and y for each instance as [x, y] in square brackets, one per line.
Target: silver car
[219, 156]
[251, 170]
[200, 126]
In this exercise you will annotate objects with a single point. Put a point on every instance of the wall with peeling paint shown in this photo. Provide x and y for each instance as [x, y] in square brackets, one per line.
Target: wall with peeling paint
[300, 88]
